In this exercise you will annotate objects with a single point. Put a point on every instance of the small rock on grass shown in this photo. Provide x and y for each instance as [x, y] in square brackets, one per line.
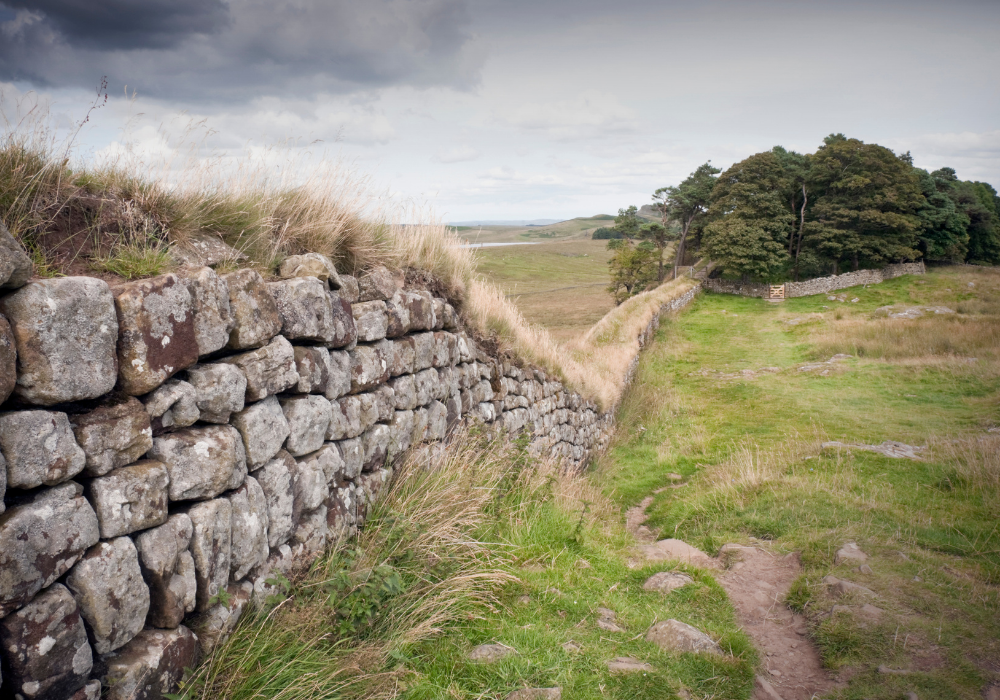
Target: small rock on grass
[489, 653]
[572, 647]
[536, 694]
[674, 635]
[626, 664]
[850, 552]
[666, 581]
[607, 621]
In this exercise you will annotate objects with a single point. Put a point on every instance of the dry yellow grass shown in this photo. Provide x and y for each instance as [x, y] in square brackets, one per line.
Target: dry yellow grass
[598, 364]
[121, 215]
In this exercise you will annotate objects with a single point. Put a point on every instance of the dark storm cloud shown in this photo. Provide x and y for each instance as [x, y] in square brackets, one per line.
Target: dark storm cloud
[197, 50]
[127, 24]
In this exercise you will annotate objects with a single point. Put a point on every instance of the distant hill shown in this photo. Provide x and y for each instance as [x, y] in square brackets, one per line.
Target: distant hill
[510, 222]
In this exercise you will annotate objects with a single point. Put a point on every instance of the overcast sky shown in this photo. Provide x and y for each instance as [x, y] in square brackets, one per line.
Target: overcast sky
[517, 109]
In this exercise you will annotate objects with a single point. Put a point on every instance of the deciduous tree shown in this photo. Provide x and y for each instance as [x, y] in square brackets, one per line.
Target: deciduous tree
[749, 224]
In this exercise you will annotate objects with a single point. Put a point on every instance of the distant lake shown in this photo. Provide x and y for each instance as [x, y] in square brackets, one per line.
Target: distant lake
[495, 245]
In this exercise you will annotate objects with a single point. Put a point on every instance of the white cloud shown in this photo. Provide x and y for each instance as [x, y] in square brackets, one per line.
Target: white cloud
[458, 154]
[590, 115]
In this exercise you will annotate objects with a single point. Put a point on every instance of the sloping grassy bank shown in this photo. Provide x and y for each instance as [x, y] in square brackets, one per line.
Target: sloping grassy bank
[481, 544]
[738, 396]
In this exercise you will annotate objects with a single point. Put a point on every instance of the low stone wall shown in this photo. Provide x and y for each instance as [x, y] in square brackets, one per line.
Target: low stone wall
[818, 285]
[169, 445]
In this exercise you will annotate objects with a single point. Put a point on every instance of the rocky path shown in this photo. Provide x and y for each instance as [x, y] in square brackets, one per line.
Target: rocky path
[757, 582]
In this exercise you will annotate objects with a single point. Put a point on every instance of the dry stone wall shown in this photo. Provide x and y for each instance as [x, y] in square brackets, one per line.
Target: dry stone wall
[819, 285]
[167, 446]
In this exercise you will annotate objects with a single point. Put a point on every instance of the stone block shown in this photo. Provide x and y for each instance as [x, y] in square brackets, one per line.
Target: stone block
[425, 384]
[249, 547]
[376, 284]
[383, 403]
[211, 543]
[39, 448]
[397, 316]
[369, 366]
[15, 265]
[349, 289]
[168, 570]
[200, 248]
[151, 665]
[340, 375]
[369, 410]
[328, 460]
[442, 388]
[202, 462]
[340, 517]
[312, 532]
[371, 320]
[353, 453]
[310, 265]
[400, 432]
[421, 309]
[264, 430]
[401, 357]
[443, 343]
[276, 479]
[156, 333]
[439, 313]
[8, 360]
[65, 330]
[344, 333]
[404, 392]
[269, 370]
[305, 309]
[376, 442]
[437, 421]
[220, 390]
[215, 624]
[130, 498]
[308, 420]
[45, 649]
[423, 351]
[173, 405]
[114, 434]
[309, 488]
[254, 313]
[313, 367]
[41, 540]
[451, 321]
[213, 319]
[108, 587]
[345, 419]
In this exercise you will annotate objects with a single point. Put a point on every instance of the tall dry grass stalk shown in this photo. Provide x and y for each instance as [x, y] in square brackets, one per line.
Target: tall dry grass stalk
[976, 461]
[898, 339]
[429, 527]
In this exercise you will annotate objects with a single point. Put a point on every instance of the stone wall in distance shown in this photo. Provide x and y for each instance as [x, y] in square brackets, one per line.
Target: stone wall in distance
[818, 285]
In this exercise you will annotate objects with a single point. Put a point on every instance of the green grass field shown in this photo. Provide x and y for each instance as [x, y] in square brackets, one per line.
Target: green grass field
[932, 527]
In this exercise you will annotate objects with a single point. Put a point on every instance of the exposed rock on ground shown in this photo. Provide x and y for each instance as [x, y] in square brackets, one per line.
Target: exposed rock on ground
[889, 448]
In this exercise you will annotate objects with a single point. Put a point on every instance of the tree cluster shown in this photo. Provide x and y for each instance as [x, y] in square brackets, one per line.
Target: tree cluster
[850, 205]
[782, 215]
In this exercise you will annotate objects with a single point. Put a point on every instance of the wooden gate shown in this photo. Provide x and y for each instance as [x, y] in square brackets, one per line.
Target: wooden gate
[776, 291]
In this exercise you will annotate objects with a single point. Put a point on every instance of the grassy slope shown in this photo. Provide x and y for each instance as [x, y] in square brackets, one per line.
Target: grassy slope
[559, 286]
[940, 599]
